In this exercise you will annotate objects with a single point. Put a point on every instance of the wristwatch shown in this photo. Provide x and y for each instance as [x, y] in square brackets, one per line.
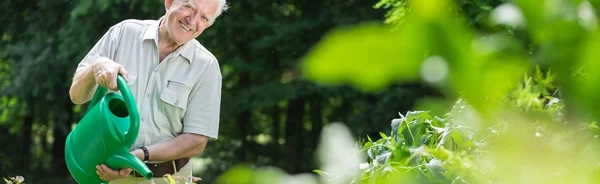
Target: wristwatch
[146, 154]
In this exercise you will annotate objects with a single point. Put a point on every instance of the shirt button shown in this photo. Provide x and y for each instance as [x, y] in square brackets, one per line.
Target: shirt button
[177, 102]
[147, 94]
[142, 119]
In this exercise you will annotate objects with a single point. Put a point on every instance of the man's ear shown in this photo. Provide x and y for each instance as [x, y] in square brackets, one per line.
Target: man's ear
[168, 4]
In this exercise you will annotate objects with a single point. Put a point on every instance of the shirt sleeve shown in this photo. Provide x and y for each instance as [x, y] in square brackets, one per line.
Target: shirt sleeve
[202, 116]
[105, 47]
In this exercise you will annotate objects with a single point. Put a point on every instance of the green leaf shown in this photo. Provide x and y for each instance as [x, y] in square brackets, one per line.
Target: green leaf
[369, 56]
[436, 167]
[411, 115]
[370, 152]
[368, 145]
[383, 135]
[395, 125]
[383, 157]
[420, 130]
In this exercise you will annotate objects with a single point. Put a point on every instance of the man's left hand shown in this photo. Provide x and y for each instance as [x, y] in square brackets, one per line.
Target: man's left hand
[107, 174]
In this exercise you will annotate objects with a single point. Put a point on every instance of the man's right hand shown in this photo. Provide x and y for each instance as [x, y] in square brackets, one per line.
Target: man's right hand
[108, 174]
[105, 73]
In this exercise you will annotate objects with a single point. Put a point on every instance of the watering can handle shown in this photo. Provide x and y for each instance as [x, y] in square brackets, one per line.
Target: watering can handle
[134, 116]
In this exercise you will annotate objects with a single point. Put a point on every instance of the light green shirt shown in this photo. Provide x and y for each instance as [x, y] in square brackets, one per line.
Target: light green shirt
[182, 94]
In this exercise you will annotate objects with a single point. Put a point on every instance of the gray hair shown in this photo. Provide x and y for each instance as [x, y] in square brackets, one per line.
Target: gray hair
[222, 7]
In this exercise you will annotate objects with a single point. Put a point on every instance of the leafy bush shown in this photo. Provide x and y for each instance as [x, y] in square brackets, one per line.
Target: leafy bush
[424, 146]
[448, 149]
[15, 180]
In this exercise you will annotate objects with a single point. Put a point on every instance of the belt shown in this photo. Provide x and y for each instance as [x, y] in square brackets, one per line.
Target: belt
[161, 169]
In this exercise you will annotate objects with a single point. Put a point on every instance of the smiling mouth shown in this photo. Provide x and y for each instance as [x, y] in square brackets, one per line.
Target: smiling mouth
[184, 26]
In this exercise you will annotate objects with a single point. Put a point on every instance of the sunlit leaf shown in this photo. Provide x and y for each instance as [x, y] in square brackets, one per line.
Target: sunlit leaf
[383, 135]
[368, 56]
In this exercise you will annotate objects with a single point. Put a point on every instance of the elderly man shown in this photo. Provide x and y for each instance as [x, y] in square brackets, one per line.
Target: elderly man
[176, 83]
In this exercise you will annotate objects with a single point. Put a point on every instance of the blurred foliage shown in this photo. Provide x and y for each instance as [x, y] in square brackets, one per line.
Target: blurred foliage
[14, 180]
[436, 39]
[519, 72]
[430, 41]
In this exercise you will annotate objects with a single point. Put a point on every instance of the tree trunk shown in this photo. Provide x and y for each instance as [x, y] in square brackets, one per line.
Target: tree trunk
[26, 140]
[62, 127]
[293, 130]
[43, 134]
[242, 124]
[276, 133]
[316, 117]
[243, 121]
[340, 114]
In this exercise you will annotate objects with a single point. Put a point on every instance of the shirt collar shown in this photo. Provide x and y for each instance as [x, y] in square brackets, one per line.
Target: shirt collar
[151, 33]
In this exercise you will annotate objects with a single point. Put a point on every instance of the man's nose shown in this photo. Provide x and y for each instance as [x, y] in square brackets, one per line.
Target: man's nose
[191, 20]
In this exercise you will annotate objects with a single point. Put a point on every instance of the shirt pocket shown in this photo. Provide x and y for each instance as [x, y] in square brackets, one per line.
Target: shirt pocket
[176, 94]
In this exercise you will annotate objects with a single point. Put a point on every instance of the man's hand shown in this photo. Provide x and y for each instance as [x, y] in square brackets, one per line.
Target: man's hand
[138, 153]
[108, 174]
[105, 73]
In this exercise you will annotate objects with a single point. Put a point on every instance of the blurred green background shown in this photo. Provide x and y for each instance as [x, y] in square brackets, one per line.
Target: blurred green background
[429, 91]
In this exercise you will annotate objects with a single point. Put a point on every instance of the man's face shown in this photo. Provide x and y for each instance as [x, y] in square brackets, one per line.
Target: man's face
[187, 19]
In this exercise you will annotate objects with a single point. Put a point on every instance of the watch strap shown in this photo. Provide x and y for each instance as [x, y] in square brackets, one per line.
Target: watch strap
[146, 154]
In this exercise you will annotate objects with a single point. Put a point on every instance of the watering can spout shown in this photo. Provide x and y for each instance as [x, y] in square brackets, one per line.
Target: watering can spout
[128, 160]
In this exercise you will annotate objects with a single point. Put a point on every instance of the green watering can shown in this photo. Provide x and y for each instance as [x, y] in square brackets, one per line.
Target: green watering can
[104, 136]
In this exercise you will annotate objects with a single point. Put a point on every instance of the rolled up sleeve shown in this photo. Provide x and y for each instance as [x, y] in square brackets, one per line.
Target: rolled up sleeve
[106, 46]
[202, 116]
